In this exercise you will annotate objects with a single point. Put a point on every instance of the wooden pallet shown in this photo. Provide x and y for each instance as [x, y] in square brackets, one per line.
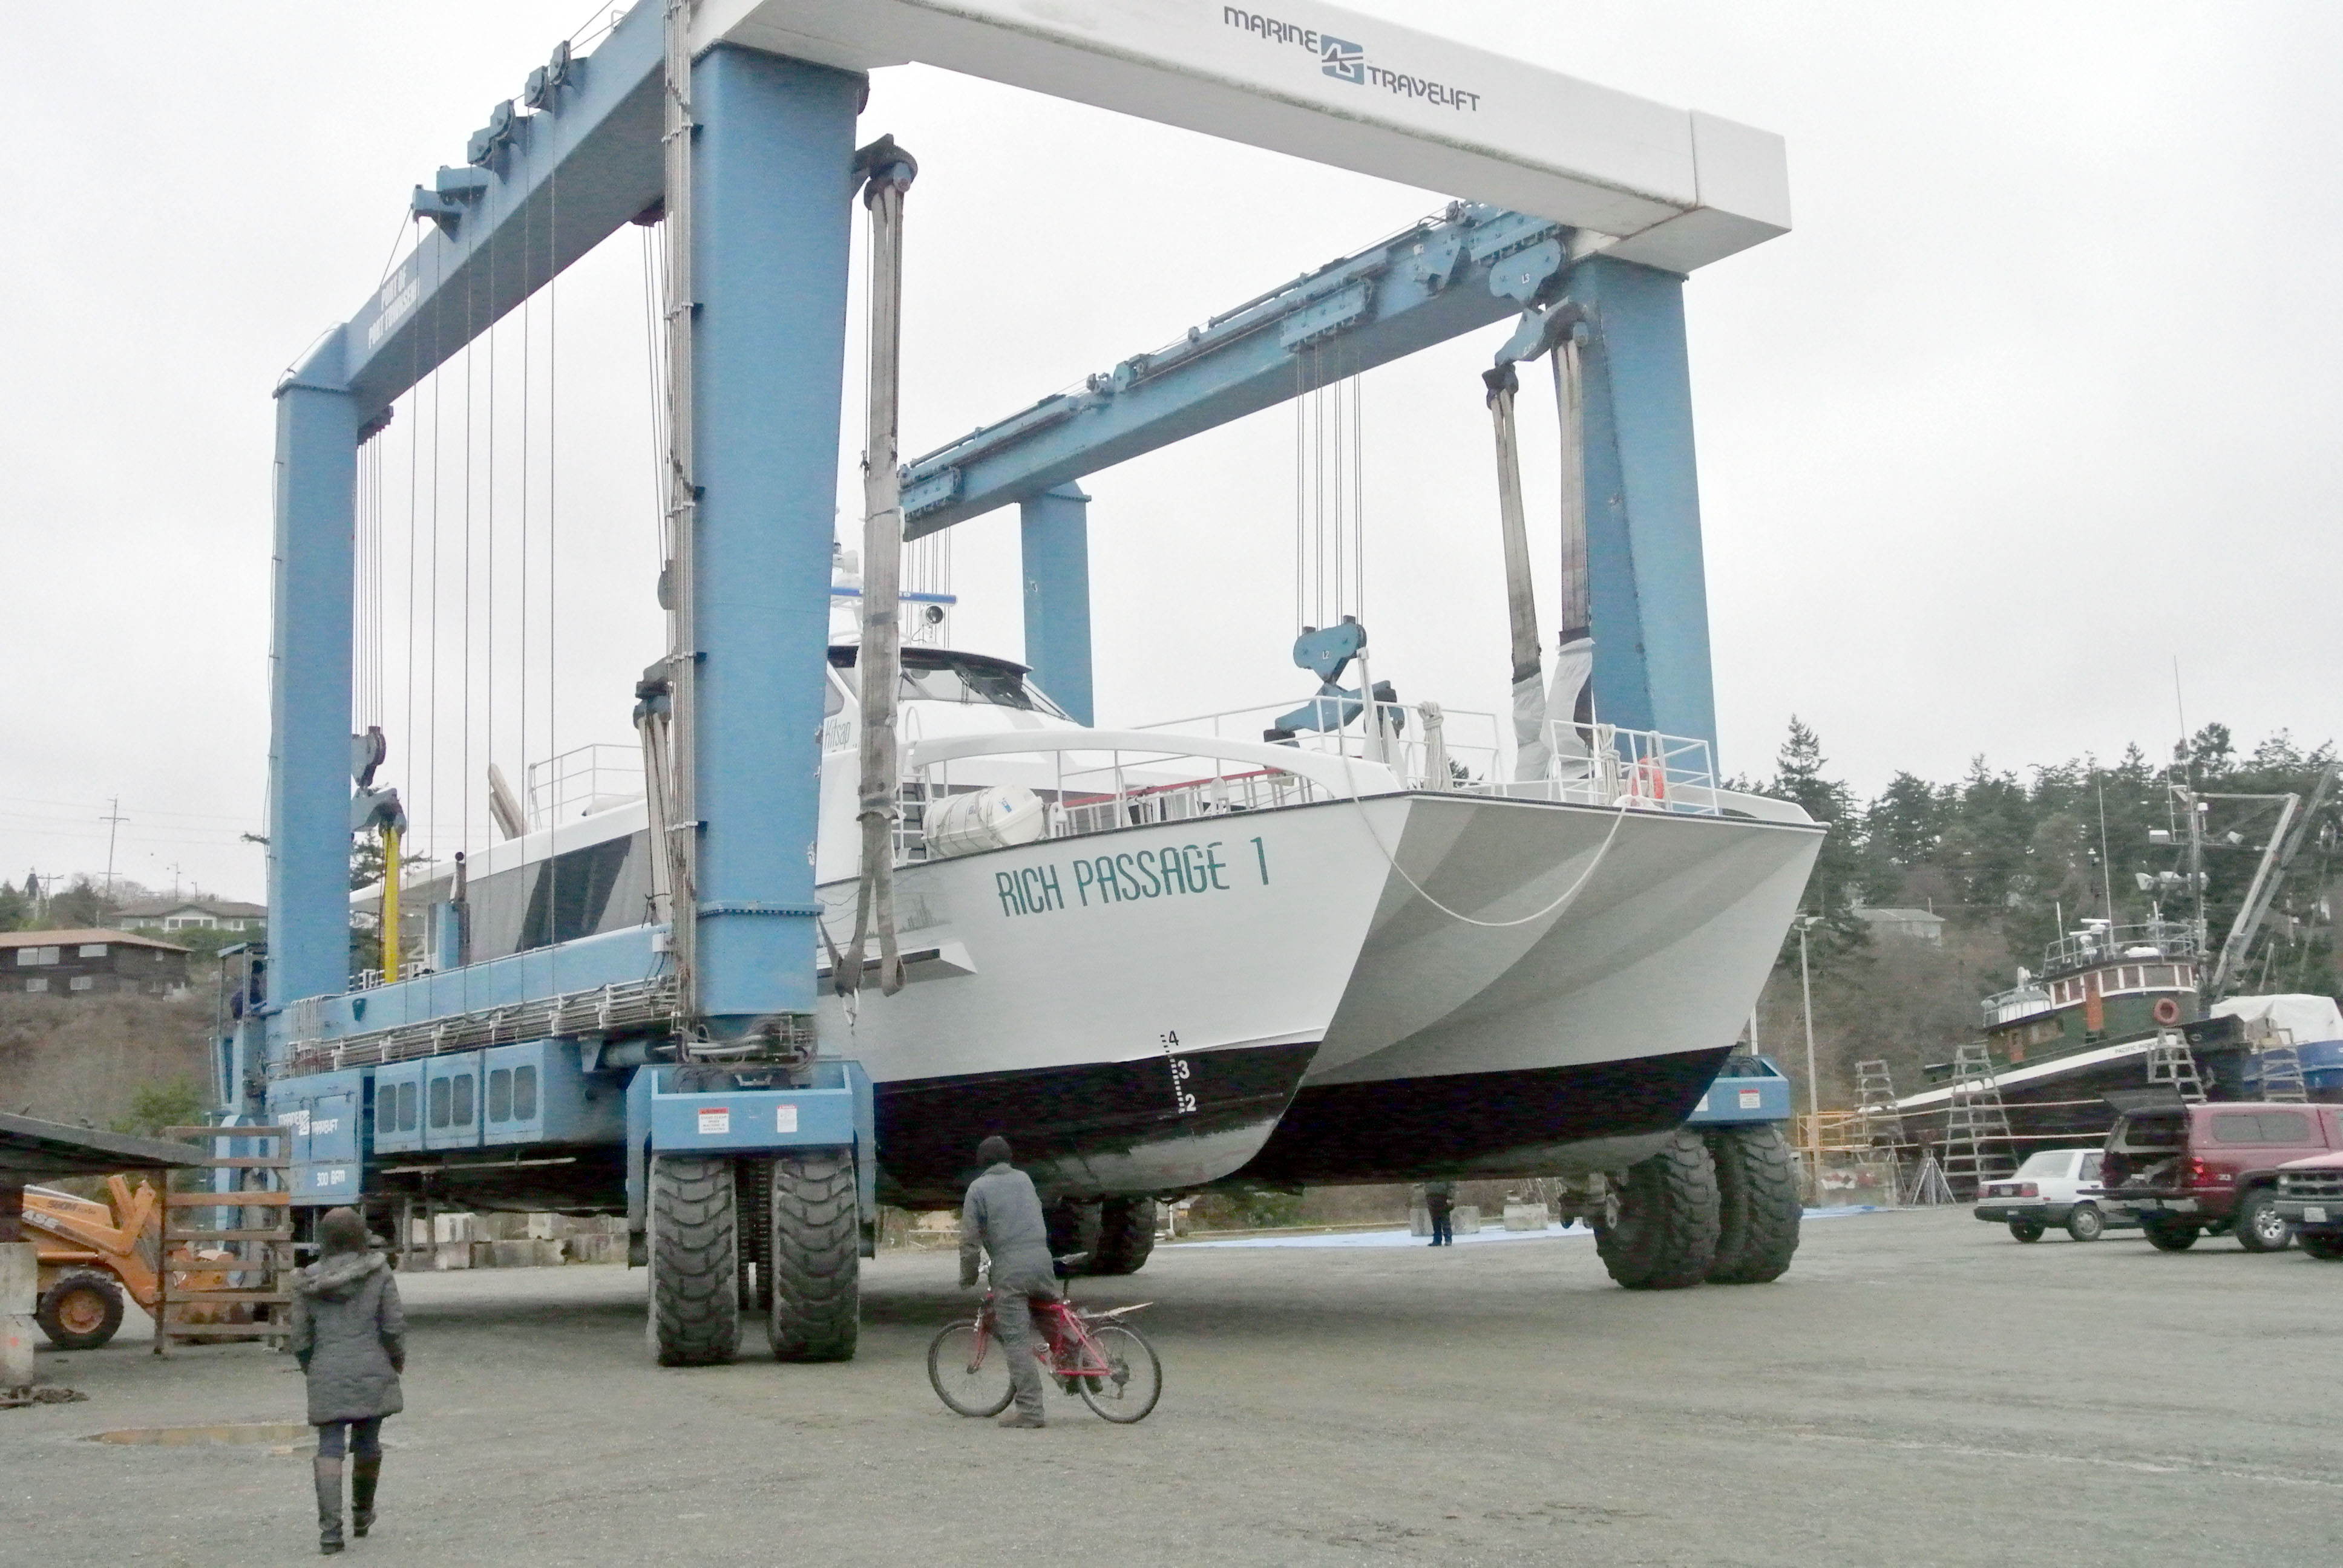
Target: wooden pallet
[260, 1191]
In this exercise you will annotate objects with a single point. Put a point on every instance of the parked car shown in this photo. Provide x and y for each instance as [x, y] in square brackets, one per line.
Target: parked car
[2310, 1199]
[2047, 1192]
[2185, 1170]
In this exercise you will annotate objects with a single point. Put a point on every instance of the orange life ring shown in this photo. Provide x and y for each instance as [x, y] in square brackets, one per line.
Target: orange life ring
[2167, 1011]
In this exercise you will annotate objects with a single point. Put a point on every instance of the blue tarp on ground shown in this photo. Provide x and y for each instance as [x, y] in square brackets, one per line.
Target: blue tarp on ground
[1402, 1239]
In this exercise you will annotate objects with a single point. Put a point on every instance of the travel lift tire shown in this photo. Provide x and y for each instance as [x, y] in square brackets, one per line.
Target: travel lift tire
[695, 1246]
[816, 1225]
[1126, 1236]
[1074, 1225]
[1757, 1206]
[1662, 1236]
[80, 1311]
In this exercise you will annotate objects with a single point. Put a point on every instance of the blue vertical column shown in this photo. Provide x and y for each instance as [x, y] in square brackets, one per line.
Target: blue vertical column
[1055, 534]
[311, 596]
[1643, 504]
[772, 190]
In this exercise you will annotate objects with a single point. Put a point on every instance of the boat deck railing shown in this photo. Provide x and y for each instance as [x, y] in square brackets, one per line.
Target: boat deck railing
[583, 779]
[2101, 944]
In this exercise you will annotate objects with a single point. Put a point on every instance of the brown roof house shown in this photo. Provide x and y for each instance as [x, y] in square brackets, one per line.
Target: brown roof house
[90, 963]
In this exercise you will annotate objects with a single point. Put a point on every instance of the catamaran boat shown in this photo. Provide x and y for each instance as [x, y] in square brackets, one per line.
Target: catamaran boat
[1161, 958]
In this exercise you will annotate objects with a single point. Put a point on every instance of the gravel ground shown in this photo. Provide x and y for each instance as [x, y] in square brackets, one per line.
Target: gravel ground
[1918, 1390]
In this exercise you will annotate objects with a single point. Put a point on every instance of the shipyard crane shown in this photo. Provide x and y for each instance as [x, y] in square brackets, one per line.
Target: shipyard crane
[675, 1066]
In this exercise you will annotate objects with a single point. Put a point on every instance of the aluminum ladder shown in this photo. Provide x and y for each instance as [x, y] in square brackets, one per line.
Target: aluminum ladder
[1975, 1120]
[2170, 1060]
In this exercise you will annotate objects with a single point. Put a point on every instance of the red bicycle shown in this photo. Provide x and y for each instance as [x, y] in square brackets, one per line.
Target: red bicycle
[1096, 1355]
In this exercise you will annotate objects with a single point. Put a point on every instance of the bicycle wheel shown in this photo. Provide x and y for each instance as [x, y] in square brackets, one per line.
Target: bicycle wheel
[969, 1376]
[1135, 1381]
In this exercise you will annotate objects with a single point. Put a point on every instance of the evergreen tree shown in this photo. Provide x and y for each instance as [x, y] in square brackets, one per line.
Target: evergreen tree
[1836, 878]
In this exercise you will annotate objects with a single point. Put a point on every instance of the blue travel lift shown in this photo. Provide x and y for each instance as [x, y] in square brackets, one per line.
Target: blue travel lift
[675, 1062]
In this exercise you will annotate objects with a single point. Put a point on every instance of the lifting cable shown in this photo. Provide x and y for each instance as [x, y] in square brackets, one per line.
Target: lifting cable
[889, 172]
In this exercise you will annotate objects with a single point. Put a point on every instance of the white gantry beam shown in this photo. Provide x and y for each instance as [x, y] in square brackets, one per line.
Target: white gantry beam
[1677, 188]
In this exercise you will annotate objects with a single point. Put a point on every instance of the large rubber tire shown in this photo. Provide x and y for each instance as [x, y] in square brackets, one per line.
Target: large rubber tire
[2026, 1229]
[2086, 1223]
[2259, 1227]
[2169, 1236]
[1126, 1235]
[1073, 1227]
[1662, 1235]
[817, 1227]
[1757, 1206]
[2324, 1245]
[695, 1317]
[80, 1311]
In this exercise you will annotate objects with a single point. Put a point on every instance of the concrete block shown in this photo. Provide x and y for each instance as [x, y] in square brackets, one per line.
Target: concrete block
[519, 1254]
[550, 1254]
[545, 1227]
[1464, 1220]
[1525, 1217]
[1419, 1221]
[20, 1276]
[447, 1228]
[598, 1247]
[452, 1255]
[483, 1254]
[418, 1232]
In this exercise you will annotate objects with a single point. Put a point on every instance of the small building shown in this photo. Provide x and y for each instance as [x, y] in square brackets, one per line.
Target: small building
[181, 914]
[98, 961]
[1926, 925]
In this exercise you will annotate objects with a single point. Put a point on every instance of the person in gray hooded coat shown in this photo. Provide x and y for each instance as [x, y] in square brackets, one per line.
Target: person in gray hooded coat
[350, 1338]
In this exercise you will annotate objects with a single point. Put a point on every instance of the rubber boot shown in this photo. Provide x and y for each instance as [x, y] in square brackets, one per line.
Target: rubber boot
[329, 1505]
[365, 1470]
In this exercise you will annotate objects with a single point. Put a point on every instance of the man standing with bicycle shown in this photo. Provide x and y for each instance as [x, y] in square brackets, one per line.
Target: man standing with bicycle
[1002, 1216]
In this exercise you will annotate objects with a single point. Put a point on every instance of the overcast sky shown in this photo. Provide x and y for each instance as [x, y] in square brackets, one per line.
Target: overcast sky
[2040, 394]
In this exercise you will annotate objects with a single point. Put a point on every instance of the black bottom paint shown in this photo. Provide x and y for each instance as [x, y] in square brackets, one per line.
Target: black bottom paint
[1408, 1129]
[929, 1128]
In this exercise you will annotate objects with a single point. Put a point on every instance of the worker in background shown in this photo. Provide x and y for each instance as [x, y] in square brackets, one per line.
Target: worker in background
[1439, 1200]
[350, 1338]
[1002, 1216]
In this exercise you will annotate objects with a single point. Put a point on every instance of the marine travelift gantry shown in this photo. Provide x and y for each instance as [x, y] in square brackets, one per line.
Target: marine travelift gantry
[678, 1064]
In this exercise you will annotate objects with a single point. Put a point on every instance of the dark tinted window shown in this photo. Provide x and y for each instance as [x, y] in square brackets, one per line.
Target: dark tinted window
[2262, 1127]
[524, 1094]
[440, 1101]
[407, 1106]
[462, 1115]
[385, 1111]
[500, 1094]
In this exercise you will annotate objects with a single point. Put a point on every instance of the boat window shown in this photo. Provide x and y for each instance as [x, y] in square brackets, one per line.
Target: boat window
[524, 1104]
[500, 1094]
[463, 1113]
[440, 1092]
[407, 1106]
[929, 677]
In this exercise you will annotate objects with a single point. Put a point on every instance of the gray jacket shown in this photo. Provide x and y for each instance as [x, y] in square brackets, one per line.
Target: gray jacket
[1002, 1215]
[349, 1337]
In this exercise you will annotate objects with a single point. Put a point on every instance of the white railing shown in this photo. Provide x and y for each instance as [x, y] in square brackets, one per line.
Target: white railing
[1604, 765]
[1467, 739]
[1094, 781]
[581, 779]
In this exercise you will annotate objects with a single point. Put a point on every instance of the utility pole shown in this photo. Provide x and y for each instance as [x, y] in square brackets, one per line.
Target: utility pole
[1807, 988]
[2106, 869]
[113, 820]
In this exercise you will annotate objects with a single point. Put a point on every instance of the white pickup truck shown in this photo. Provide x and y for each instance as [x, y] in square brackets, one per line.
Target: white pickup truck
[2047, 1191]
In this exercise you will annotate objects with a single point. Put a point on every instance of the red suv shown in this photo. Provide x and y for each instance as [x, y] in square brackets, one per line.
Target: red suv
[2184, 1170]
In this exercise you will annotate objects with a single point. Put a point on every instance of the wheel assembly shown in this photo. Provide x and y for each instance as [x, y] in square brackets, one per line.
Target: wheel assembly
[1126, 1235]
[1662, 1232]
[80, 1311]
[1757, 1205]
[2259, 1227]
[817, 1252]
[695, 1247]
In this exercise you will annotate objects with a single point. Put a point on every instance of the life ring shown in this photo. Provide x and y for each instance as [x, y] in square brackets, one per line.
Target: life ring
[2167, 1011]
